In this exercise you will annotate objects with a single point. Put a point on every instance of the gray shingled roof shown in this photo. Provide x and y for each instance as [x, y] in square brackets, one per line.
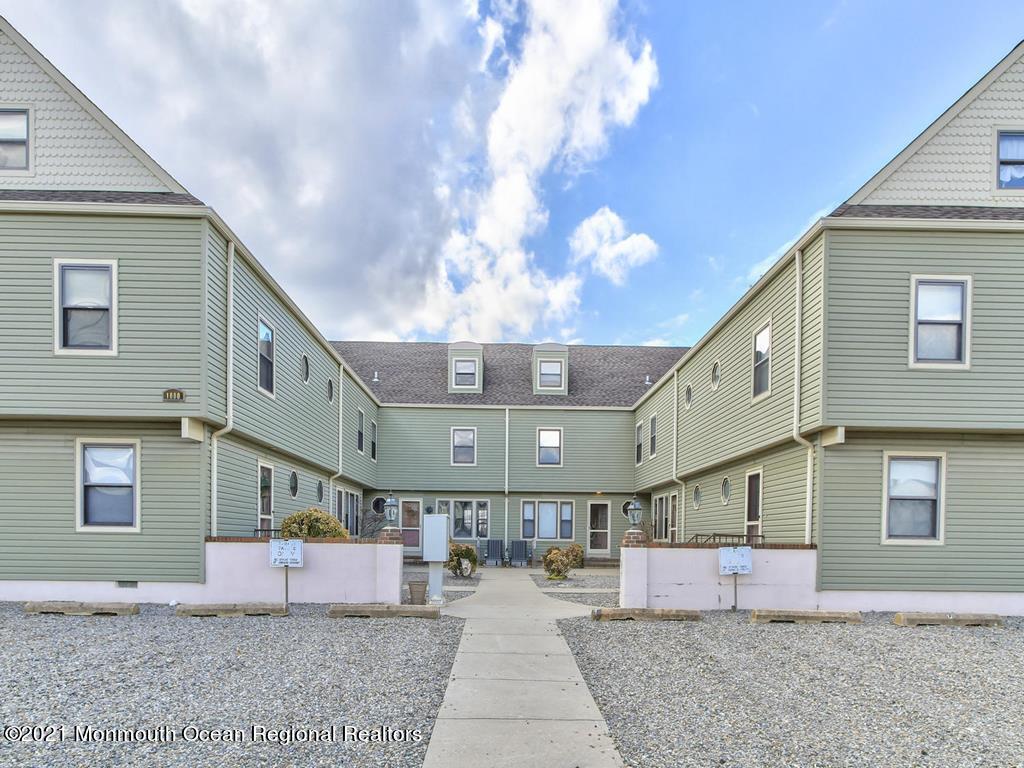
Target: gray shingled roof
[960, 212]
[417, 372]
[98, 196]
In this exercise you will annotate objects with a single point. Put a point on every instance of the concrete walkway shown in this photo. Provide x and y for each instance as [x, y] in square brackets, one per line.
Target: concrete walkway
[516, 696]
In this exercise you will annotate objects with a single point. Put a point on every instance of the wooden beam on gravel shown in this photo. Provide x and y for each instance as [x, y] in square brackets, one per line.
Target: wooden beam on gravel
[909, 619]
[69, 608]
[382, 611]
[644, 614]
[765, 616]
[232, 610]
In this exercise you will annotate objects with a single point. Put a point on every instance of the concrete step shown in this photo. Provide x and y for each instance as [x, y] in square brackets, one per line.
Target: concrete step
[908, 619]
[69, 608]
[382, 611]
[644, 614]
[765, 616]
[232, 610]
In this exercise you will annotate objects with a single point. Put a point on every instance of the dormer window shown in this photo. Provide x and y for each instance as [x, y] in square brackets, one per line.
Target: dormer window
[464, 372]
[13, 139]
[1011, 160]
[549, 374]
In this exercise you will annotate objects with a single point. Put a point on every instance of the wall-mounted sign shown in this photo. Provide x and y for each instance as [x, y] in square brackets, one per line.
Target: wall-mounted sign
[286, 553]
[174, 395]
[734, 560]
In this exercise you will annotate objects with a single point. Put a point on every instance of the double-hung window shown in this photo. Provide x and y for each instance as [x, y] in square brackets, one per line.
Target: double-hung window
[941, 322]
[265, 334]
[464, 446]
[549, 374]
[1010, 173]
[86, 302]
[639, 453]
[360, 426]
[549, 447]
[373, 440]
[913, 498]
[548, 519]
[464, 374]
[653, 435]
[14, 140]
[108, 476]
[762, 361]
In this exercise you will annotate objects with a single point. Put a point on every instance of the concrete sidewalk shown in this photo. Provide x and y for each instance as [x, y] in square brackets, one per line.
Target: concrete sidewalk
[516, 696]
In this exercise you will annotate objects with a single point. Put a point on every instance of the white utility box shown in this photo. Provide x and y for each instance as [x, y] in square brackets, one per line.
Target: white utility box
[435, 538]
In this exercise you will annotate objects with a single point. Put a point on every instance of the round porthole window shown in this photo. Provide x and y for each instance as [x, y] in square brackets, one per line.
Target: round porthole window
[726, 490]
[330, 390]
[305, 368]
[377, 505]
[688, 396]
[696, 497]
[716, 375]
[293, 484]
[319, 490]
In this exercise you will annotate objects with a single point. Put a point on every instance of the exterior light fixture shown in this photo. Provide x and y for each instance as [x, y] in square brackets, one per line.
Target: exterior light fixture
[391, 510]
[635, 512]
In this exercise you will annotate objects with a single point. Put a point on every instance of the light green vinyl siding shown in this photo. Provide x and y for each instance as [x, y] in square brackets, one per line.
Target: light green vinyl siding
[216, 324]
[596, 451]
[984, 515]
[357, 465]
[238, 486]
[159, 317]
[38, 505]
[812, 335]
[417, 448]
[869, 381]
[657, 469]
[722, 423]
[783, 510]
[429, 498]
[299, 418]
[619, 523]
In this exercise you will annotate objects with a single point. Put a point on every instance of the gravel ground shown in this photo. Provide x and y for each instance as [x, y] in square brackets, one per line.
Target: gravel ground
[449, 596]
[724, 692]
[596, 599]
[155, 669]
[578, 581]
[420, 574]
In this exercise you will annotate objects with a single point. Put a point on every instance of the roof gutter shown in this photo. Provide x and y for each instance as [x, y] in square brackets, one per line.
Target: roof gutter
[230, 386]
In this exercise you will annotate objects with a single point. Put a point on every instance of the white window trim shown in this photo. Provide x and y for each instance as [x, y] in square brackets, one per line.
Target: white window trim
[590, 503]
[965, 365]
[450, 500]
[360, 412]
[30, 171]
[714, 386]
[419, 527]
[941, 506]
[558, 518]
[771, 358]
[652, 433]
[80, 525]
[261, 318]
[699, 496]
[451, 447]
[58, 348]
[374, 443]
[673, 533]
[561, 447]
[561, 367]
[661, 498]
[996, 189]
[721, 491]
[758, 470]
[638, 440]
[476, 374]
[260, 465]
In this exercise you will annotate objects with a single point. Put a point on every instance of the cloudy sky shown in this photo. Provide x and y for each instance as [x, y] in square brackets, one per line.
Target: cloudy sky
[586, 171]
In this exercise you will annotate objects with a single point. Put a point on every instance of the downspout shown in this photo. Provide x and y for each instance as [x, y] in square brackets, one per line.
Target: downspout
[230, 374]
[681, 503]
[341, 411]
[809, 508]
[506, 478]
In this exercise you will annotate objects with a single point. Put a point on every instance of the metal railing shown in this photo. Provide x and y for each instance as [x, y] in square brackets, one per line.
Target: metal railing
[266, 533]
[727, 539]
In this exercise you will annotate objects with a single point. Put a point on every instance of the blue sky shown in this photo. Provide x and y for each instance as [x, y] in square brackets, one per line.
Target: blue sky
[578, 171]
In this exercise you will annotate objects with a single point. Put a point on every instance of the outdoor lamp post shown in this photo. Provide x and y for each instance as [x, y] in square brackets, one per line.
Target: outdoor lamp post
[634, 512]
[391, 510]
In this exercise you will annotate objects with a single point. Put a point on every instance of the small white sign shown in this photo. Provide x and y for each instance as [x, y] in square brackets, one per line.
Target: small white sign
[734, 560]
[286, 552]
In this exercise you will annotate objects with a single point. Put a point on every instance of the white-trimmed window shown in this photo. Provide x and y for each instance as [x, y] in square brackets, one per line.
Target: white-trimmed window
[373, 440]
[265, 503]
[914, 488]
[1010, 170]
[265, 346]
[548, 519]
[360, 426]
[762, 362]
[639, 453]
[696, 497]
[470, 518]
[464, 446]
[688, 396]
[549, 374]
[660, 518]
[464, 373]
[652, 430]
[754, 503]
[940, 321]
[107, 485]
[293, 484]
[14, 137]
[726, 490]
[716, 375]
[549, 447]
[85, 306]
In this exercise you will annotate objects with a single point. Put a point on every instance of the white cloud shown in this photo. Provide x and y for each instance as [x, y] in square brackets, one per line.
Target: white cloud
[602, 240]
[384, 161]
[656, 342]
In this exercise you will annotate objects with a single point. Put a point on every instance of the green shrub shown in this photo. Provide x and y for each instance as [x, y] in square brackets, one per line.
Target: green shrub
[548, 556]
[312, 523]
[575, 554]
[456, 554]
[557, 565]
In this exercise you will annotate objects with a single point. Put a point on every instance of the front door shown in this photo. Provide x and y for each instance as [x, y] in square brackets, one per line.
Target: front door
[673, 518]
[754, 494]
[598, 534]
[265, 512]
[411, 521]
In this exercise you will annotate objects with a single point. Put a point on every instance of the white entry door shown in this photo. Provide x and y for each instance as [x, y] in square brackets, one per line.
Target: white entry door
[411, 521]
[598, 531]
